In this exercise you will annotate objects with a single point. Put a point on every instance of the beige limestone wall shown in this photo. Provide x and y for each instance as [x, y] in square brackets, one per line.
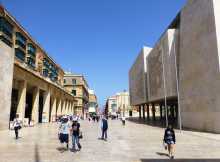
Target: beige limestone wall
[138, 80]
[92, 98]
[161, 67]
[6, 73]
[199, 75]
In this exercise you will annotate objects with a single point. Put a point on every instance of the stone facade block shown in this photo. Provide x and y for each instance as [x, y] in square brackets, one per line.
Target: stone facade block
[6, 73]
[199, 75]
[138, 78]
[162, 68]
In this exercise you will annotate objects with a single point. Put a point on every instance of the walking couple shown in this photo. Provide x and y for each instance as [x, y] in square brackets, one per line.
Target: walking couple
[74, 130]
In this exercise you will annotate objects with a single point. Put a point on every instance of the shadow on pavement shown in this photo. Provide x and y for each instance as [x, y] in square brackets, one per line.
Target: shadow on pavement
[180, 160]
[62, 149]
[162, 154]
[161, 124]
[151, 122]
[36, 154]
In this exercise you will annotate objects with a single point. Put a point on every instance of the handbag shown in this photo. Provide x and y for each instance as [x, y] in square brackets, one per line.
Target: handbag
[164, 145]
[80, 135]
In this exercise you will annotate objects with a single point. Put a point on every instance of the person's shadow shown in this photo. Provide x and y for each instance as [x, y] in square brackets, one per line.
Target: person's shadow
[62, 149]
[162, 154]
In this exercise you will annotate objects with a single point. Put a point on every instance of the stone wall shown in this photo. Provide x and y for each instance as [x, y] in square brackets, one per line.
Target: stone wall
[6, 77]
[162, 58]
[199, 75]
[138, 80]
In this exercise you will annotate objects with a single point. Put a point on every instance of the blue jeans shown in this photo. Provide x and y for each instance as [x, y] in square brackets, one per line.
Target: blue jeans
[104, 134]
[75, 140]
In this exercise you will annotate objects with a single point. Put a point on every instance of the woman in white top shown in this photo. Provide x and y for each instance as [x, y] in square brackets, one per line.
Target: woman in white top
[17, 126]
[64, 131]
[123, 120]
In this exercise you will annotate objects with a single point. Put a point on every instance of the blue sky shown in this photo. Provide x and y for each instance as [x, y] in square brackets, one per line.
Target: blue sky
[97, 38]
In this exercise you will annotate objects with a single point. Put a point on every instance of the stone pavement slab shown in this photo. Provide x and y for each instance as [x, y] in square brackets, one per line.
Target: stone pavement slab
[131, 143]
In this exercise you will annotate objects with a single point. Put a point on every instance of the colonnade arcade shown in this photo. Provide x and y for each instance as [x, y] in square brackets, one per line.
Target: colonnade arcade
[158, 112]
[36, 100]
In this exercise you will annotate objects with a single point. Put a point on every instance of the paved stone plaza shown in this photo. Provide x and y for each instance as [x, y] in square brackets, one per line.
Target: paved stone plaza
[134, 142]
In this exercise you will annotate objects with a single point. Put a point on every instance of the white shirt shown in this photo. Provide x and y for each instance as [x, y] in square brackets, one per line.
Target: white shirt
[64, 128]
[16, 122]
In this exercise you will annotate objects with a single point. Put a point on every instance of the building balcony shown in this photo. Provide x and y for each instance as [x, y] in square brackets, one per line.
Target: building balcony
[20, 44]
[4, 39]
[6, 27]
[20, 54]
[31, 53]
[31, 62]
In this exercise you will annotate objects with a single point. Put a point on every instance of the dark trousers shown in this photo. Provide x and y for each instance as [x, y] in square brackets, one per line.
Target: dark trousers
[16, 132]
[123, 122]
[104, 134]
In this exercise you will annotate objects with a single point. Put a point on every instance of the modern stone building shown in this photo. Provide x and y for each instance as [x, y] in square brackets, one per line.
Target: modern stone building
[183, 70]
[78, 87]
[138, 77]
[31, 83]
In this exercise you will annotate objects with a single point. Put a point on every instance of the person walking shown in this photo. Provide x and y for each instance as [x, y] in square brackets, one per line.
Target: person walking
[123, 120]
[64, 131]
[75, 135]
[104, 127]
[17, 126]
[170, 140]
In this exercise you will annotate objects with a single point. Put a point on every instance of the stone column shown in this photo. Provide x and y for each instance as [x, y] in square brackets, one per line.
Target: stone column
[53, 111]
[153, 112]
[71, 108]
[35, 107]
[176, 111]
[6, 78]
[46, 107]
[63, 107]
[148, 112]
[140, 112]
[22, 99]
[161, 112]
[74, 108]
[67, 107]
[59, 107]
[172, 111]
[143, 106]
